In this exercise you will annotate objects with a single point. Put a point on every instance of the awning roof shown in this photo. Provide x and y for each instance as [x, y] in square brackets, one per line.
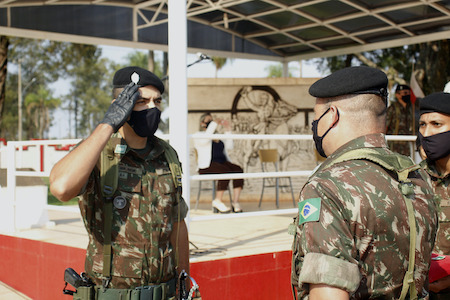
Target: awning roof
[283, 30]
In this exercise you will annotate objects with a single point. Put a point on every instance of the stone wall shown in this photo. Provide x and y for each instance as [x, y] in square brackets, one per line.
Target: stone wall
[256, 106]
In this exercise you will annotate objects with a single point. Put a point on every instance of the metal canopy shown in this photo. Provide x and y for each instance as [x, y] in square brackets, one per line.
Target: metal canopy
[283, 30]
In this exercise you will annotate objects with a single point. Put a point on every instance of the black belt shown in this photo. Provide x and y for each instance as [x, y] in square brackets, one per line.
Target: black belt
[161, 291]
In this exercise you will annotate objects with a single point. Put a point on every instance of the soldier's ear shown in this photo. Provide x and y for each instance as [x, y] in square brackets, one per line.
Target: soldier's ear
[334, 112]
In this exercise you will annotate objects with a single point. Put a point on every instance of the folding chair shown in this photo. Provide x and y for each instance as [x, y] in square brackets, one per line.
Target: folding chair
[270, 156]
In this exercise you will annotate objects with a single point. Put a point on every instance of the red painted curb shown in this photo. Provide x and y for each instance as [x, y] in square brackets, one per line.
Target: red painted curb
[36, 269]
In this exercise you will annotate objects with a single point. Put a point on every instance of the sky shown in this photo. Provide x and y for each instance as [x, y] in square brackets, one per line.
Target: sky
[236, 68]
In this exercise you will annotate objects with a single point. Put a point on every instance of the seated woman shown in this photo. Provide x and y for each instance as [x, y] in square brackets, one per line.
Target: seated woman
[213, 159]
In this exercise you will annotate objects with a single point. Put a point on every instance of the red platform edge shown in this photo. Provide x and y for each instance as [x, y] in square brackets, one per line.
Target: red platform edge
[36, 269]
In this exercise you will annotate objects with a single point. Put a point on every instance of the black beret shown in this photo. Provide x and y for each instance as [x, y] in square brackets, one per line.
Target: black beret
[352, 80]
[124, 76]
[436, 102]
[401, 87]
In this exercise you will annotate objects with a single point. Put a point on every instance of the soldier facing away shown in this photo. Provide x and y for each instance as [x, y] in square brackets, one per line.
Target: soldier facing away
[367, 218]
[138, 239]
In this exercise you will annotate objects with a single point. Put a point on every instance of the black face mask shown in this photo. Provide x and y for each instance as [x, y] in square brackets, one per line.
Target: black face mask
[318, 140]
[406, 98]
[145, 122]
[436, 146]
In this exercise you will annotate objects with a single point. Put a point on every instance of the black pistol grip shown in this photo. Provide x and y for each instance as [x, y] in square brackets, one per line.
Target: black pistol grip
[72, 277]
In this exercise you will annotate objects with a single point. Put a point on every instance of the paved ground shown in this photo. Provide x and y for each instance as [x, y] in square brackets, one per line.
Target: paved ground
[8, 293]
[212, 236]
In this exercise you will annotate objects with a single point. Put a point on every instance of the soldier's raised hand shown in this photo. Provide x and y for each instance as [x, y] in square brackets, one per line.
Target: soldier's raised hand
[119, 111]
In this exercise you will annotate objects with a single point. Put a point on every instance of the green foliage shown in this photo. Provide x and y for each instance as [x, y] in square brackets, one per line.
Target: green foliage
[434, 59]
[8, 127]
[219, 62]
[38, 106]
[143, 59]
[90, 93]
[276, 71]
[40, 65]
[138, 58]
[44, 61]
[430, 60]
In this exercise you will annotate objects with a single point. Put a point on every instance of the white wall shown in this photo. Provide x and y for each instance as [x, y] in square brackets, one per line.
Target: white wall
[29, 211]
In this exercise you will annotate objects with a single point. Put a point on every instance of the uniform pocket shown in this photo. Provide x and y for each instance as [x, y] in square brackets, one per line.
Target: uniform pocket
[164, 183]
[125, 264]
[128, 267]
[130, 179]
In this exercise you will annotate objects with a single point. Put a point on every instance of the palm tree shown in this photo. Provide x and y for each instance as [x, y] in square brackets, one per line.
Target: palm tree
[4, 43]
[219, 62]
[38, 107]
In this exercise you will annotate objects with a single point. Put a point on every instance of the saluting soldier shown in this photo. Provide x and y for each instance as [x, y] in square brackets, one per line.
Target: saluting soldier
[367, 218]
[138, 239]
[434, 137]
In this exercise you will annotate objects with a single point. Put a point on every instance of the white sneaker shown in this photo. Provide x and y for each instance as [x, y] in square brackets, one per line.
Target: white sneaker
[218, 206]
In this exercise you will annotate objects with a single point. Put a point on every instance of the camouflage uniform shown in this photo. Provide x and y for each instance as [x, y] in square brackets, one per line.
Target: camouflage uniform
[441, 187]
[360, 239]
[399, 121]
[141, 250]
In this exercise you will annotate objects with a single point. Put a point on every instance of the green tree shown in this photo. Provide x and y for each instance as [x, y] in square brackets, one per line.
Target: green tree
[4, 42]
[276, 71]
[219, 62]
[38, 106]
[8, 127]
[138, 58]
[40, 63]
[145, 60]
[90, 89]
[430, 60]
[432, 65]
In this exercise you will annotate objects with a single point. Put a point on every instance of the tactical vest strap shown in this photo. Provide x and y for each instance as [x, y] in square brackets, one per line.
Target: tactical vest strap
[408, 280]
[402, 166]
[109, 175]
[176, 170]
[174, 165]
[397, 118]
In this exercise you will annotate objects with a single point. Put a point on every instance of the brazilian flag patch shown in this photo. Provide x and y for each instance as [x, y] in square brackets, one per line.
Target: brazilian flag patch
[309, 210]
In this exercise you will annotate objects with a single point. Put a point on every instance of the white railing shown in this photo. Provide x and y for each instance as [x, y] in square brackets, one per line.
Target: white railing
[12, 172]
[306, 173]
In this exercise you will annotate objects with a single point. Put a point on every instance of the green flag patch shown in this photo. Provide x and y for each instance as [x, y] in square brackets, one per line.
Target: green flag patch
[309, 210]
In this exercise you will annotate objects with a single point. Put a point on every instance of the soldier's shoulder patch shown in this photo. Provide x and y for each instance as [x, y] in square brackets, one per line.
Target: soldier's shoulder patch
[309, 210]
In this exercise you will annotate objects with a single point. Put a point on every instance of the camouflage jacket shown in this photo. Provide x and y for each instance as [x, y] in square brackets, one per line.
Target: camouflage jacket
[352, 231]
[441, 185]
[141, 250]
[399, 121]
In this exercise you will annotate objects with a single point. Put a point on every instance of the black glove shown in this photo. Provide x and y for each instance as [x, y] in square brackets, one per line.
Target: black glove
[119, 111]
